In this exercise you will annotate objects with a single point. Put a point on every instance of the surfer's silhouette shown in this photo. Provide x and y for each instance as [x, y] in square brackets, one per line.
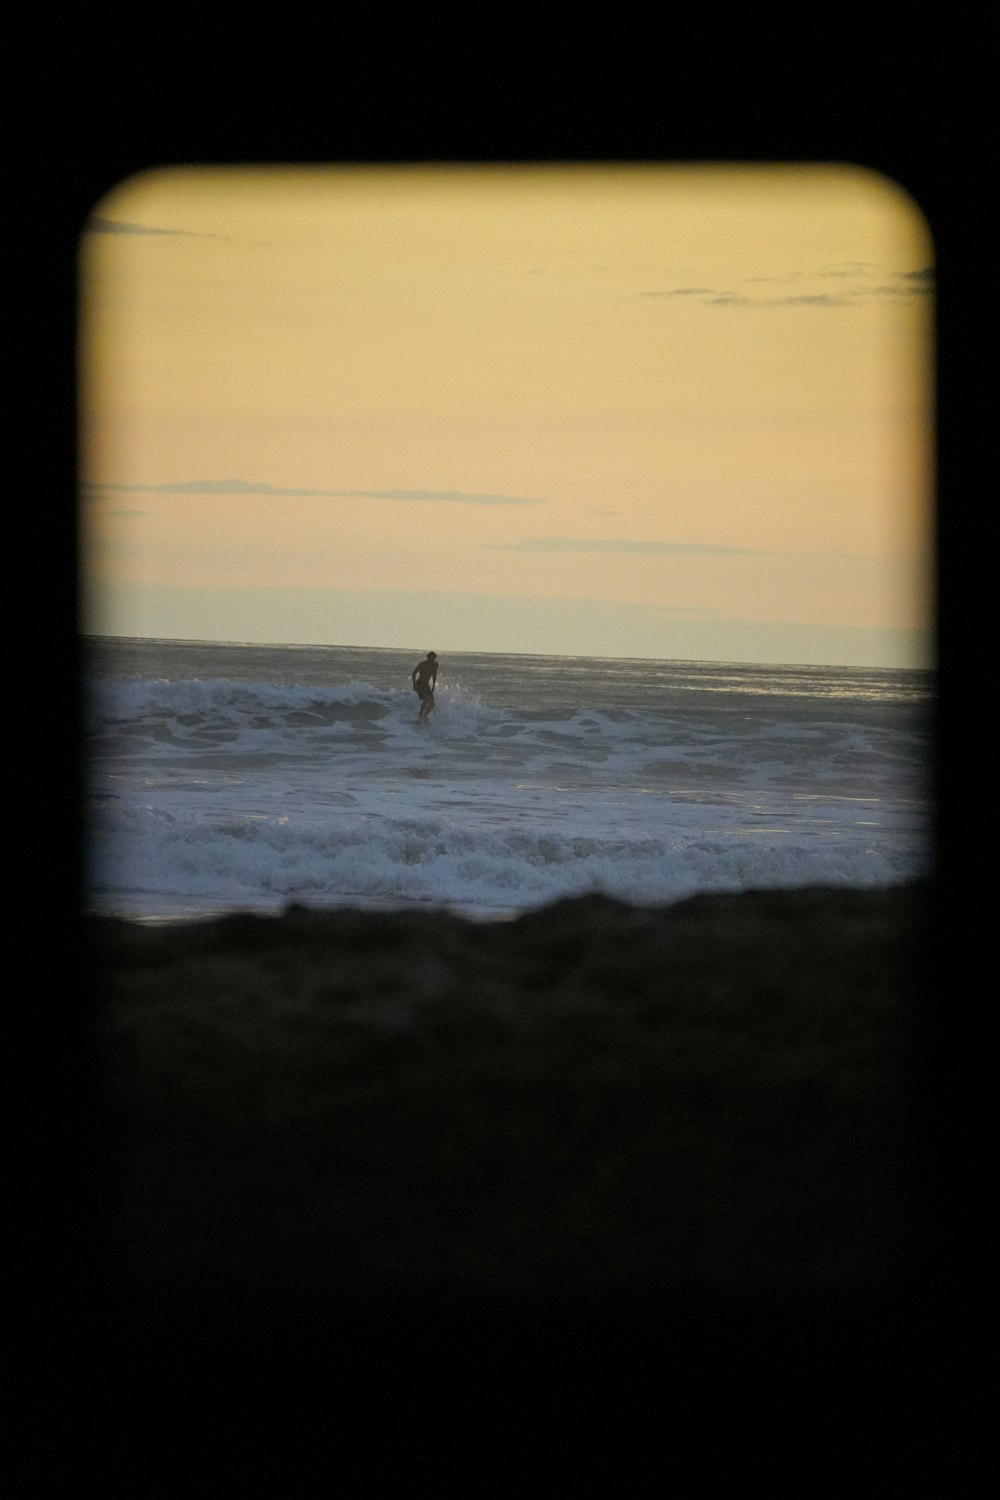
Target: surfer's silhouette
[423, 677]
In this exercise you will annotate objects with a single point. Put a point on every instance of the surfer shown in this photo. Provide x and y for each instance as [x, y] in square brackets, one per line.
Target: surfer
[423, 677]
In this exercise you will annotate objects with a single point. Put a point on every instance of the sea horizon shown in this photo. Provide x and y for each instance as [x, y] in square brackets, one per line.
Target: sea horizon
[925, 670]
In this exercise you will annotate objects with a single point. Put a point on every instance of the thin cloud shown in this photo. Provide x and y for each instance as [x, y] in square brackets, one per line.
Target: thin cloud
[257, 487]
[682, 291]
[733, 299]
[849, 268]
[457, 497]
[902, 284]
[918, 281]
[619, 544]
[809, 299]
[98, 225]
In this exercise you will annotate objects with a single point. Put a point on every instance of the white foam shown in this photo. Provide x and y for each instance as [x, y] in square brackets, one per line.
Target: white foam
[254, 794]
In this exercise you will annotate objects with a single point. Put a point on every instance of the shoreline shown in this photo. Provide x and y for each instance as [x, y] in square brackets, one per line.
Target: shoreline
[181, 910]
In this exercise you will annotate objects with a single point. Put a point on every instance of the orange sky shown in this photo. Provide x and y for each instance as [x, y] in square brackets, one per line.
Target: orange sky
[666, 412]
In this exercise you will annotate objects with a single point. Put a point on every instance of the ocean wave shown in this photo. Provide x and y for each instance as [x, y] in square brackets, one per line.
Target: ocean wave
[256, 859]
[357, 731]
[234, 792]
[109, 700]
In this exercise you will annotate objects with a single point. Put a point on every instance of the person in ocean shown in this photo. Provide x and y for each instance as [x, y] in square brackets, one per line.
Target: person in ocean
[423, 677]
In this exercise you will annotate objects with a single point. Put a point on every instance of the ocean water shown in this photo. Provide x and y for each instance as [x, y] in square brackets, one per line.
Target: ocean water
[220, 777]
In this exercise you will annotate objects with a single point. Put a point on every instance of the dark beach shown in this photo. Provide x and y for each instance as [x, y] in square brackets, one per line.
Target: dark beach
[679, 1117]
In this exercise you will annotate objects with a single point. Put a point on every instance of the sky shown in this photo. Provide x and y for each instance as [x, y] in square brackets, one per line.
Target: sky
[674, 412]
